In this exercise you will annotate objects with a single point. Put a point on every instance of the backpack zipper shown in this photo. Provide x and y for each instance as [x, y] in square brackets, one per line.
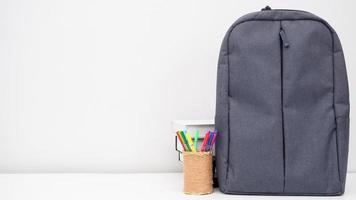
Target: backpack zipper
[284, 38]
[282, 33]
[283, 45]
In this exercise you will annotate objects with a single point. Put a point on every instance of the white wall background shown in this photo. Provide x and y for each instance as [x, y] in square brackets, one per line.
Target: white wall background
[92, 85]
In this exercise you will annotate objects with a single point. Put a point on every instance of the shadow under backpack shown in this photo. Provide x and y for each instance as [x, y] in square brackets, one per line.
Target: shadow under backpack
[282, 107]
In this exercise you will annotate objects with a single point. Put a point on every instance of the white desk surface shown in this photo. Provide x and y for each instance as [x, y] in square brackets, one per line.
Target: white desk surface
[167, 186]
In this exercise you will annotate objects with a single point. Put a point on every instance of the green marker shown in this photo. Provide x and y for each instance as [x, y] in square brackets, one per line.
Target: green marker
[185, 141]
[196, 140]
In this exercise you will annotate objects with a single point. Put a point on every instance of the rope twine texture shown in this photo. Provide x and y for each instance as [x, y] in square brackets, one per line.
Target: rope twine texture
[198, 174]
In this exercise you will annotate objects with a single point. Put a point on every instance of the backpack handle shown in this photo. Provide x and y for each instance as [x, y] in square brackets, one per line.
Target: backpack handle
[266, 8]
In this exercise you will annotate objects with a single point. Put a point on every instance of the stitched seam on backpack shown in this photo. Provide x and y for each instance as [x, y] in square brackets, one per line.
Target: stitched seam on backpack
[336, 126]
[228, 108]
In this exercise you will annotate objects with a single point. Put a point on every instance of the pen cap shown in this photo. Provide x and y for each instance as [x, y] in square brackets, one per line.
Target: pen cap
[198, 173]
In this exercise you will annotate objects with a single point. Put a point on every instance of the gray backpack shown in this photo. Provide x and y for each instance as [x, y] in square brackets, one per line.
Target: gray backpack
[282, 108]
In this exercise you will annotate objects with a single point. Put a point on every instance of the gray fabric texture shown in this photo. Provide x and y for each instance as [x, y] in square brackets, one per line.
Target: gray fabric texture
[282, 106]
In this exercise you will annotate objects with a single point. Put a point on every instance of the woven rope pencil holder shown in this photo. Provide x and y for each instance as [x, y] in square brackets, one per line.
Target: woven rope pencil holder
[198, 174]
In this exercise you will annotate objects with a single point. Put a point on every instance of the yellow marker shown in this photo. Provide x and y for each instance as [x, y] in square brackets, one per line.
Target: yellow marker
[190, 141]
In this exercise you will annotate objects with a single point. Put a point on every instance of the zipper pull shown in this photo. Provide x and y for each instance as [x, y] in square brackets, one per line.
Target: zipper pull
[284, 38]
[266, 8]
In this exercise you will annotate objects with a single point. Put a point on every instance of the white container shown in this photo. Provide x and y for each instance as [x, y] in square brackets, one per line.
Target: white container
[191, 126]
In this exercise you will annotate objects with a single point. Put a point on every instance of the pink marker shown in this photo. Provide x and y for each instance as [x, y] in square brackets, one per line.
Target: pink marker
[205, 141]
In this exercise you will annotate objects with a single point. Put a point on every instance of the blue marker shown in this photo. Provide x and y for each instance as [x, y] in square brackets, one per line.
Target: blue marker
[211, 136]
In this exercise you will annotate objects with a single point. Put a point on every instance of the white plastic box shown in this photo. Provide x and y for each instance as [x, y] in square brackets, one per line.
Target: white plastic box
[191, 126]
